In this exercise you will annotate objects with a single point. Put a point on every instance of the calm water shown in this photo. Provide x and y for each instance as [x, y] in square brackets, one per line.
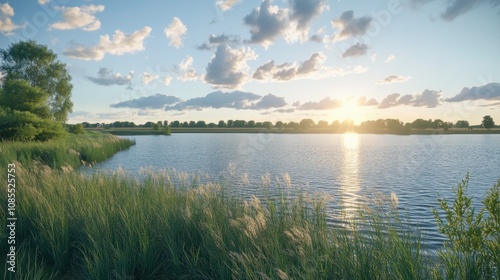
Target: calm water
[349, 167]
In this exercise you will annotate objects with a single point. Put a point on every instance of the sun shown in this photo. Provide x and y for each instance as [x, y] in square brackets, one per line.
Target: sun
[351, 109]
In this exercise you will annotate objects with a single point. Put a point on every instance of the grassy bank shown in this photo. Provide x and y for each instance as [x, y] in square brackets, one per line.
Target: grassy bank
[73, 226]
[67, 153]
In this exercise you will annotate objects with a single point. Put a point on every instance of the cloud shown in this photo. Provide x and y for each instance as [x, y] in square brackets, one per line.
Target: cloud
[393, 79]
[120, 44]
[43, 2]
[303, 12]
[167, 80]
[214, 41]
[175, 32]
[390, 58]
[185, 70]
[225, 5]
[427, 98]
[227, 68]
[350, 26]
[363, 102]
[157, 101]
[147, 78]
[324, 104]
[356, 50]
[6, 25]
[495, 104]
[266, 23]
[488, 91]
[269, 101]
[288, 71]
[217, 100]
[105, 77]
[79, 17]
[456, 8]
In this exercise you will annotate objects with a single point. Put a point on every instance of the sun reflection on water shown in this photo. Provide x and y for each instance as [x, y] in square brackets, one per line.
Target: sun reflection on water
[350, 182]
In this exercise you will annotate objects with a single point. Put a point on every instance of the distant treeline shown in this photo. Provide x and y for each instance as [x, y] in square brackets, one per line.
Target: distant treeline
[394, 125]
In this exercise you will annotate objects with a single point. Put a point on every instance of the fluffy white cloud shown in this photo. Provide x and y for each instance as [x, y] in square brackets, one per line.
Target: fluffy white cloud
[147, 78]
[393, 79]
[175, 32]
[225, 5]
[303, 12]
[324, 104]
[488, 91]
[185, 70]
[356, 50]
[267, 23]
[215, 40]
[427, 98]
[6, 24]
[228, 67]
[349, 26]
[105, 77]
[79, 17]
[289, 71]
[120, 44]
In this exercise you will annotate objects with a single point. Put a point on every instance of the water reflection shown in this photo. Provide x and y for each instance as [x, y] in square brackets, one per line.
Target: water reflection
[350, 183]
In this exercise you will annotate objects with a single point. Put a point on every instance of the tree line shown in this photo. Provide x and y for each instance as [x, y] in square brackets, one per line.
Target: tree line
[394, 125]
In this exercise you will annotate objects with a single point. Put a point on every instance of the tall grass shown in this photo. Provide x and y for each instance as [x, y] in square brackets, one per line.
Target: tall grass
[113, 227]
[67, 153]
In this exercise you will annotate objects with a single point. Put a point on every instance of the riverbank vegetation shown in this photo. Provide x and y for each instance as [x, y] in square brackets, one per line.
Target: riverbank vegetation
[67, 153]
[111, 226]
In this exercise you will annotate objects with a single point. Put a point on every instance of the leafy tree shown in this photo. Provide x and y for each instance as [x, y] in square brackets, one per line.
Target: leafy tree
[221, 124]
[292, 124]
[156, 126]
[175, 124]
[229, 123]
[488, 122]
[239, 123]
[306, 123]
[251, 124]
[462, 124]
[421, 124]
[279, 124]
[26, 126]
[212, 125]
[267, 125]
[167, 130]
[185, 124]
[201, 124]
[76, 129]
[21, 96]
[322, 124]
[37, 65]
[192, 124]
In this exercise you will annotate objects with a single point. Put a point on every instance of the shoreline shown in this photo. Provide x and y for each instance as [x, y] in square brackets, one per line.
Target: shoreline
[149, 131]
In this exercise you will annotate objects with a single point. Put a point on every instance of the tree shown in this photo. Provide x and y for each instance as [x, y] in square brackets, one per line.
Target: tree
[306, 123]
[221, 124]
[462, 124]
[19, 95]
[267, 125]
[279, 124]
[251, 124]
[175, 124]
[39, 67]
[488, 122]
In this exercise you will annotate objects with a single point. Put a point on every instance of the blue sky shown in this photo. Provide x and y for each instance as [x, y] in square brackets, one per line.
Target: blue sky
[270, 60]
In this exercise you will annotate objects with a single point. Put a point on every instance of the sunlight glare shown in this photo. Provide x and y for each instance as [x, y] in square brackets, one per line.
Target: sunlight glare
[350, 141]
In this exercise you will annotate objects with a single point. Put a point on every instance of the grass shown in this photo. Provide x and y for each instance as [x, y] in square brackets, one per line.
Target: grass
[109, 226]
[113, 227]
[69, 153]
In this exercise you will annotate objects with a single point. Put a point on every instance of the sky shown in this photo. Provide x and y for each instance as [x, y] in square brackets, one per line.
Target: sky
[281, 60]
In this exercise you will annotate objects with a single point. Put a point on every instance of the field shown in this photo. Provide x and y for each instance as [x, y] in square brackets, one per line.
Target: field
[110, 226]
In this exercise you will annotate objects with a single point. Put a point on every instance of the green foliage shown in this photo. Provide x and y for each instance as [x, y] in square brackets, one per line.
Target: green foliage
[167, 130]
[488, 122]
[26, 126]
[462, 124]
[37, 65]
[471, 250]
[71, 152]
[21, 96]
[76, 128]
[306, 123]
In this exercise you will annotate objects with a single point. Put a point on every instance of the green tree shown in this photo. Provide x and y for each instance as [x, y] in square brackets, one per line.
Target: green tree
[167, 130]
[306, 123]
[21, 96]
[251, 124]
[76, 129]
[37, 65]
[279, 124]
[488, 122]
[221, 124]
[267, 125]
[462, 124]
[175, 124]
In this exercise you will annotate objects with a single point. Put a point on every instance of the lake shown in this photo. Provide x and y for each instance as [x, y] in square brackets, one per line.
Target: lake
[348, 167]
